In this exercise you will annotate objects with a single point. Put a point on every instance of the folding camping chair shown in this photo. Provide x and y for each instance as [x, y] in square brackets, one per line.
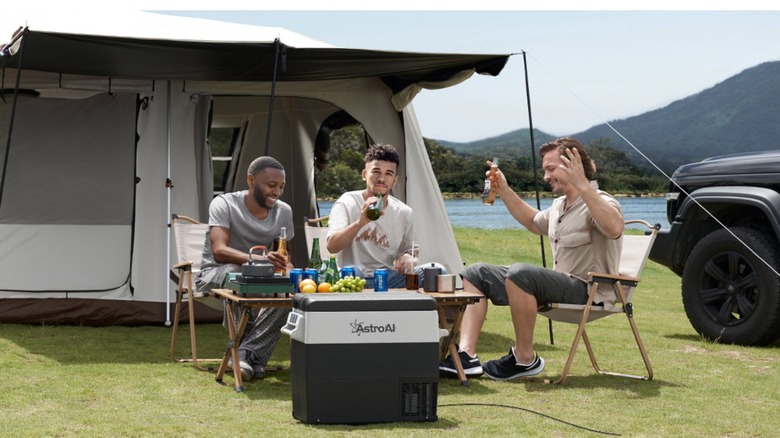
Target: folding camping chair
[314, 228]
[190, 238]
[636, 249]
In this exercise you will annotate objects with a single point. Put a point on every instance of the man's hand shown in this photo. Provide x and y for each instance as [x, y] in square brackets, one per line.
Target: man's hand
[571, 163]
[404, 264]
[278, 260]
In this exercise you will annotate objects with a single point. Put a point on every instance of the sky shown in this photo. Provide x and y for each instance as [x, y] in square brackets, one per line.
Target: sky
[584, 67]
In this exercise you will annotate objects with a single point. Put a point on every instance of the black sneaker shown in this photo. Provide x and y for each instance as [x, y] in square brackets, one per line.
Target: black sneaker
[471, 365]
[506, 368]
[258, 371]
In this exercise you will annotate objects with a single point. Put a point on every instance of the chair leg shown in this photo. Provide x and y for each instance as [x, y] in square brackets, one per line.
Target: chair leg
[176, 317]
[185, 275]
[628, 310]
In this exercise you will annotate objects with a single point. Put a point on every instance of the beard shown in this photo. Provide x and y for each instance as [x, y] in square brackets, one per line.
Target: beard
[261, 199]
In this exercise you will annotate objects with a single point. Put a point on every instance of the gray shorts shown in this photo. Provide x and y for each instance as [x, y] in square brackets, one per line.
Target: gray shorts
[546, 285]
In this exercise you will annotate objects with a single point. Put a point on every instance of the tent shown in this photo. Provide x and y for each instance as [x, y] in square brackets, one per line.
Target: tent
[104, 128]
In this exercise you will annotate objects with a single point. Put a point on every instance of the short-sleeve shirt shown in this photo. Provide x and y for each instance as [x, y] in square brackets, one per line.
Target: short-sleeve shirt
[229, 211]
[578, 243]
[379, 243]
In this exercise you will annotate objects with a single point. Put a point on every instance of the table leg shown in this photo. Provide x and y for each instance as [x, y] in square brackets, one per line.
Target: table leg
[232, 348]
[449, 345]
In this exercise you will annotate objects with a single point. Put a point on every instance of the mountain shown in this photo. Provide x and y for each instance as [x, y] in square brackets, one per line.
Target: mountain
[742, 113]
[512, 144]
[739, 114]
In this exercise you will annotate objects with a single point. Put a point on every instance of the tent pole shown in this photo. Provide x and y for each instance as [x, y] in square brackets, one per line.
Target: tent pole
[13, 115]
[168, 187]
[279, 46]
[536, 176]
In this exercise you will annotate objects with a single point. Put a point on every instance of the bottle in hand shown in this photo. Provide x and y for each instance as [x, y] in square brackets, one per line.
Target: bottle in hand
[375, 211]
[489, 193]
[282, 250]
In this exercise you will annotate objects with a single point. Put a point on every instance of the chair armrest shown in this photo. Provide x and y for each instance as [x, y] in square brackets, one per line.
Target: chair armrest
[600, 277]
[187, 265]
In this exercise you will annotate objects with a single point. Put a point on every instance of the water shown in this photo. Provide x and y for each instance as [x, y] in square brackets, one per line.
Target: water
[470, 213]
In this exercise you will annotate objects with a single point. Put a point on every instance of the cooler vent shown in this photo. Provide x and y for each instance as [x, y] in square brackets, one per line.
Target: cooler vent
[418, 400]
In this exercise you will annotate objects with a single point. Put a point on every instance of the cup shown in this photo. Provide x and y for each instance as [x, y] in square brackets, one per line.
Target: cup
[412, 278]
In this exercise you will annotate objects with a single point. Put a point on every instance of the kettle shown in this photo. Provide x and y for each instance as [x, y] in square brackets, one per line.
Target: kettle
[260, 267]
[430, 273]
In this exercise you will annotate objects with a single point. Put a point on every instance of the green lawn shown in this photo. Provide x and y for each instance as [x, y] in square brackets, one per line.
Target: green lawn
[119, 381]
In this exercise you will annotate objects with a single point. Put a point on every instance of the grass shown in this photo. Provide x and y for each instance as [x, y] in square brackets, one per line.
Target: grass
[119, 381]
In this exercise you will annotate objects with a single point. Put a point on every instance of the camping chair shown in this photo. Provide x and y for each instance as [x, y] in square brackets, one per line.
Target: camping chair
[190, 237]
[314, 228]
[636, 249]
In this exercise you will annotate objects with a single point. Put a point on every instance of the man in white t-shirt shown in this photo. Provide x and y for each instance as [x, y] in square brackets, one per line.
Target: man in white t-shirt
[237, 222]
[373, 244]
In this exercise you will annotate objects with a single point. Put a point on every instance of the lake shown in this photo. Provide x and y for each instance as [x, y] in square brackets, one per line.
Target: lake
[470, 213]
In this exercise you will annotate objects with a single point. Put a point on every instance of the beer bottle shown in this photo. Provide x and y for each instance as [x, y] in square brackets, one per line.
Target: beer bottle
[489, 193]
[282, 249]
[315, 261]
[375, 211]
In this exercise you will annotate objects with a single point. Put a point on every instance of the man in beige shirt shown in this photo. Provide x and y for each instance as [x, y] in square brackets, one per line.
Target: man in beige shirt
[585, 228]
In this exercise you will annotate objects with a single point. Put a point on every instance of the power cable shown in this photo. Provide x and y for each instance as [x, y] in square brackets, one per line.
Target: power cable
[532, 412]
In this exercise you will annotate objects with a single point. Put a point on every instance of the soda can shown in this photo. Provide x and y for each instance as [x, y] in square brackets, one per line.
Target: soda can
[380, 280]
[296, 275]
[312, 273]
[346, 271]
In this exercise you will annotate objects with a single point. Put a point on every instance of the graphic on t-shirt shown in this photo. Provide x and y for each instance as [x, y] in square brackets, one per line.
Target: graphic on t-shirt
[371, 234]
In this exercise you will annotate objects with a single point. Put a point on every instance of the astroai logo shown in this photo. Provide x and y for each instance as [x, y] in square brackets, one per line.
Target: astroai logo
[360, 327]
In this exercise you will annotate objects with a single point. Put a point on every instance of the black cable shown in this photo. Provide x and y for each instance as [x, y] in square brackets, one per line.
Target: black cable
[532, 412]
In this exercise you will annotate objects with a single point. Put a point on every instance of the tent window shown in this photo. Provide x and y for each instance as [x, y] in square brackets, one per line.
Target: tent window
[222, 142]
[339, 153]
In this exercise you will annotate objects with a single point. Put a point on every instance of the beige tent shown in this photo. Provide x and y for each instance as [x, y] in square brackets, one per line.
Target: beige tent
[104, 126]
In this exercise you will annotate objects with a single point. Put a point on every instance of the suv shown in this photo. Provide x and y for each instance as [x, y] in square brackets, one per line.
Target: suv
[723, 241]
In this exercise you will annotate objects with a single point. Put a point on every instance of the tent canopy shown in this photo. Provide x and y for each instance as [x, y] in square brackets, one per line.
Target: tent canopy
[143, 54]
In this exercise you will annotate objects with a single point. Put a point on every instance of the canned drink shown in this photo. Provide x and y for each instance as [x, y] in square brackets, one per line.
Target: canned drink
[346, 271]
[312, 273]
[296, 275]
[380, 280]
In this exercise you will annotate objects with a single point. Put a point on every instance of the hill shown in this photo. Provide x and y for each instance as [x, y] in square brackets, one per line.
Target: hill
[738, 114]
[512, 144]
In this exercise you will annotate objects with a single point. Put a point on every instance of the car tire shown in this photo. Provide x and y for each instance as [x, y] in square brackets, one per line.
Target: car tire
[729, 293]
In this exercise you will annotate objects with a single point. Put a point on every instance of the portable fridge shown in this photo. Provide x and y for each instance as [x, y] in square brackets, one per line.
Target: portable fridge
[364, 357]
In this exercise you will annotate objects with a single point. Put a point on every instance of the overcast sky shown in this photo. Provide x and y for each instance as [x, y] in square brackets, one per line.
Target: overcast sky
[585, 67]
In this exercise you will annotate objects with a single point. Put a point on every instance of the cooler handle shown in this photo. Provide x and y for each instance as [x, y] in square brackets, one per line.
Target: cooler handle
[293, 322]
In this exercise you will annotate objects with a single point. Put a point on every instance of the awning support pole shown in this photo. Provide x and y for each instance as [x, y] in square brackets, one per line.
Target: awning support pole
[535, 172]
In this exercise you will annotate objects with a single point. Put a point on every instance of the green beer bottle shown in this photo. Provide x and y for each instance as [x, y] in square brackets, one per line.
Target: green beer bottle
[375, 210]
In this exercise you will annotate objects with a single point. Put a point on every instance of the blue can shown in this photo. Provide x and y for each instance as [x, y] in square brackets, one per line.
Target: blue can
[346, 271]
[380, 280]
[296, 275]
[312, 273]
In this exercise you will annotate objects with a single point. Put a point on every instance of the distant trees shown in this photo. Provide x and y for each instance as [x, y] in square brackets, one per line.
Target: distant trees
[465, 173]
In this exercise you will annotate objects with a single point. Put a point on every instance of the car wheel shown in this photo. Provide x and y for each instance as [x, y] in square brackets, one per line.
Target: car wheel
[729, 293]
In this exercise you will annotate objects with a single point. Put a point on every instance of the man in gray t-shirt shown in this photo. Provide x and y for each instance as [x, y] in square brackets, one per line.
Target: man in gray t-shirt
[237, 222]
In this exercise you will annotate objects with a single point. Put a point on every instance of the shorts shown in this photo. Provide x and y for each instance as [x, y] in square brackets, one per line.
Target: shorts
[546, 285]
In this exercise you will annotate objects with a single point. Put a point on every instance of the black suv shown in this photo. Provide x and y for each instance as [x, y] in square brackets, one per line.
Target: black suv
[723, 241]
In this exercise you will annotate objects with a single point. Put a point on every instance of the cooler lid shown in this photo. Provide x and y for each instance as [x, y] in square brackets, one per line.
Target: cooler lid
[363, 301]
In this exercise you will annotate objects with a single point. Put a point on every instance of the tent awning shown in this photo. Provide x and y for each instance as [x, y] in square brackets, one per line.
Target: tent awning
[119, 57]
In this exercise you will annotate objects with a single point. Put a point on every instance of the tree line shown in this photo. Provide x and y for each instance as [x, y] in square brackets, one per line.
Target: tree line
[339, 168]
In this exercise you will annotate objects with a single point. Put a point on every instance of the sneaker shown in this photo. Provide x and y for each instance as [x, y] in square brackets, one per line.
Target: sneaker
[258, 371]
[247, 372]
[507, 368]
[471, 365]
